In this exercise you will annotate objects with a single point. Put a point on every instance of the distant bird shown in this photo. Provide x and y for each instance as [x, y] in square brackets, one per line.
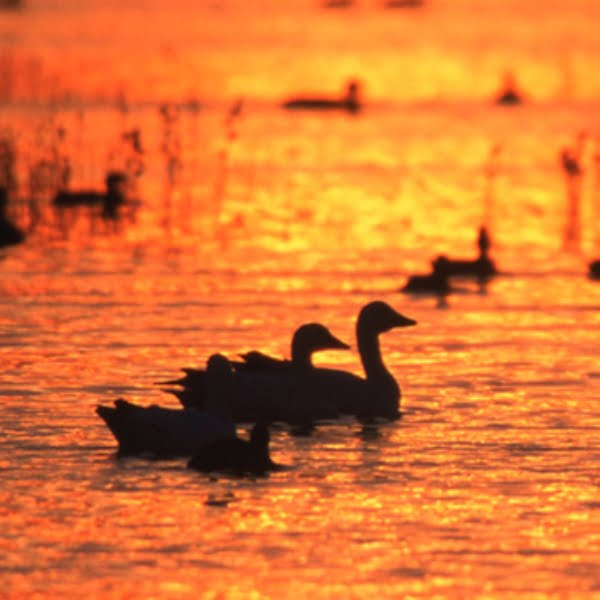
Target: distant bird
[435, 283]
[350, 101]
[10, 234]
[109, 201]
[11, 4]
[404, 4]
[166, 432]
[481, 268]
[338, 3]
[594, 269]
[237, 456]
[509, 94]
[377, 394]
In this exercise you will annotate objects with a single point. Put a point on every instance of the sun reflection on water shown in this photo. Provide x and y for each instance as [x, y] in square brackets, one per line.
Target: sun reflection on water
[486, 486]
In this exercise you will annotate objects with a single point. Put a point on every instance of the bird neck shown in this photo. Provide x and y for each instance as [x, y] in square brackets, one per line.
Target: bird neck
[370, 353]
[301, 356]
[259, 442]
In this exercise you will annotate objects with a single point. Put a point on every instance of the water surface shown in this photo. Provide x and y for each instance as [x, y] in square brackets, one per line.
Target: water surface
[488, 486]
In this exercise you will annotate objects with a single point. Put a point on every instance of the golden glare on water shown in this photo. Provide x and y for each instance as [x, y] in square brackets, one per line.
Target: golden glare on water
[242, 222]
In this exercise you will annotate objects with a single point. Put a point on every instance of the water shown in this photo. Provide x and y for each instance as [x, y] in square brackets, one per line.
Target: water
[488, 486]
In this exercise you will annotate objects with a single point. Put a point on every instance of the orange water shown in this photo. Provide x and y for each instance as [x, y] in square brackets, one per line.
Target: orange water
[488, 487]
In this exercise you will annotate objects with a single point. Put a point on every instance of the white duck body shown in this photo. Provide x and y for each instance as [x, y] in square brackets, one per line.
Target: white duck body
[377, 394]
[175, 432]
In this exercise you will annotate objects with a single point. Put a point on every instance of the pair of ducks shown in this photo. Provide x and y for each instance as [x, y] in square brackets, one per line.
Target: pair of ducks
[261, 389]
[207, 436]
[437, 282]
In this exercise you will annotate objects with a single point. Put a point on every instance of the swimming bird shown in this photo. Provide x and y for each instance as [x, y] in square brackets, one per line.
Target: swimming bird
[175, 432]
[404, 4]
[338, 3]
[10, 234]
[481, 268]
[435, 283]
[237, 456]
[307, 339]
[594, 269]
[377, 394]
[350, 101]
[271, 389]
[110, 201]
[509, 95]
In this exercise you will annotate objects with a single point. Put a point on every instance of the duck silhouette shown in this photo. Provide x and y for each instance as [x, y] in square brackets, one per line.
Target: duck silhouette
[110, 200]
[434, 283]
[306, 340]
[350, 101]
[594, 269]
[236, 456]
[338, 3]
[167, 432]
[404, 4]
[377, 394]
[509, 95]
[481, 268]
[269, 389]
[10, 234]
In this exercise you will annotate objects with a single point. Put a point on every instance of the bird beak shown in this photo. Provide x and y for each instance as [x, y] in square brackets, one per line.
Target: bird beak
[402, 321]
[336, 344]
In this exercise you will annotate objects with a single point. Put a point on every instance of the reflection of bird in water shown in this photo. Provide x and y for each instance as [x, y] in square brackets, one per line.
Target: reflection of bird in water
[237, 456]
[270, 389]
[175, 432]
[10, 234]
[349, 102]
[570, 162]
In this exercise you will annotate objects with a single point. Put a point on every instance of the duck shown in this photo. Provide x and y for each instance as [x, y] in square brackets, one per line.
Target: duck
[594, 269]
[338, 3]
[271, 389]
[509, 95]
[350, 101]
[404, 4]
[10, 234]
[377, 394]
[237, 456]
[481, 268]
[307, 339]
[167, 432]
[110, 201]
[436, 283]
